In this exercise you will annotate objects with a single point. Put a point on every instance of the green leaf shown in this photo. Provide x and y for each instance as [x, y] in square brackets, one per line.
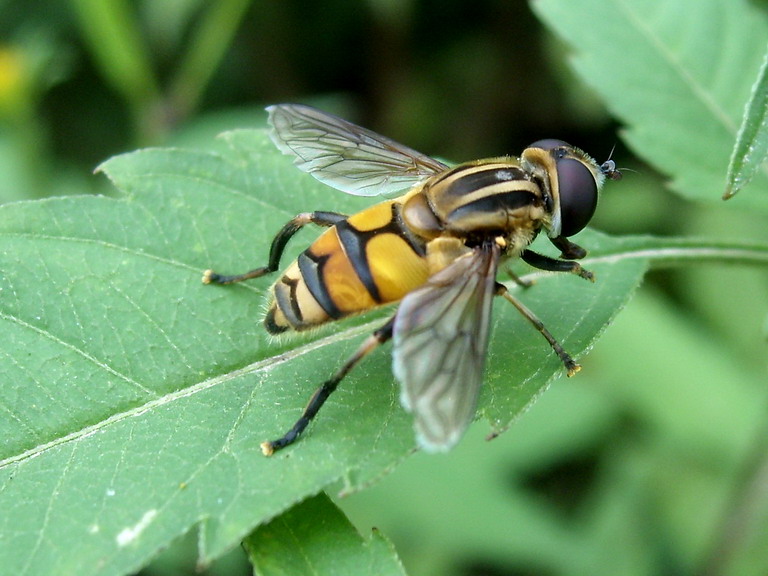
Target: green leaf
[575, 311]
[657, 370]
[676, 72]
[751, 147]
[135, 398]
[315, 537]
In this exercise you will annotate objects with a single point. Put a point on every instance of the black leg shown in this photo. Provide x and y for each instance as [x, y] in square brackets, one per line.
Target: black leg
[279, 243]
[568, 249]
[321, 394]
[554, 265]
[565, 358]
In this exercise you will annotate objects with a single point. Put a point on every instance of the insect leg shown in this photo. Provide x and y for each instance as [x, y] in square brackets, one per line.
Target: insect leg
[568, 362]
[568, 249]
[519, 281]
[554, 265]
[323, 392]
[279, 243]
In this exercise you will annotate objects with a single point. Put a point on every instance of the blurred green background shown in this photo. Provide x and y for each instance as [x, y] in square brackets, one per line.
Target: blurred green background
[651, 461]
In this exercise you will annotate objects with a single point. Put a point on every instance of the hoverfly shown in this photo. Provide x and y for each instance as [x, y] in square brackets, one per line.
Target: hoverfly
[435, 250]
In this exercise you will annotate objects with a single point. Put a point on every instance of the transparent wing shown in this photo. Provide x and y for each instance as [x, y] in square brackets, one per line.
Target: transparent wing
[440, 342]
[344, 155]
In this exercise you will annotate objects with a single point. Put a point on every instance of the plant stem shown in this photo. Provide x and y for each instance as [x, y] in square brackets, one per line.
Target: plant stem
[112, 31]
[677, 251]
[207, 46]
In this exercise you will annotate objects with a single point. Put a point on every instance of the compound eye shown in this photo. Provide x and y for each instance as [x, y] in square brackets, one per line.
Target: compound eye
[549, 144]
[578, 195]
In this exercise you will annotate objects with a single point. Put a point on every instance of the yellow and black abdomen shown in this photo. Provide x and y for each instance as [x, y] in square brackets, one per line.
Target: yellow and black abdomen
[365, 261]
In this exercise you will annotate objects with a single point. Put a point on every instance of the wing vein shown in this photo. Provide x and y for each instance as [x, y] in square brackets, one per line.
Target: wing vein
[345, 156]
[440, 340]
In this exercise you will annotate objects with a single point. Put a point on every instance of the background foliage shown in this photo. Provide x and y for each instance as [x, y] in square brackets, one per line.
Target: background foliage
[649, 462]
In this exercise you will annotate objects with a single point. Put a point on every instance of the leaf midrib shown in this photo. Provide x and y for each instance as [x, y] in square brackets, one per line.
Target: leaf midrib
[259, 366]
[668, 56]
[661, 254]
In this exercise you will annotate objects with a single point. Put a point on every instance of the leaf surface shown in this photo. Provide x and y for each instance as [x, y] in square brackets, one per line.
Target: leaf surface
[677, 73]
[134, 398]
[751, 148]
[314, 537]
